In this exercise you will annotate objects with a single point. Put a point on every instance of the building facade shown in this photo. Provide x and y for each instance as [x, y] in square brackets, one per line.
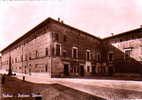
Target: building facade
[53, 48]
[124, 52]
[60, 50]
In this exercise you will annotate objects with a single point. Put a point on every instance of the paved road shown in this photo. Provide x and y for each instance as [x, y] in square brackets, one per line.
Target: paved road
[114, 89]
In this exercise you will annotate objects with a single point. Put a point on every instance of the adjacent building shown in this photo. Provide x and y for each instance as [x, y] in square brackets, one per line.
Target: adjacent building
[60, 50]
[124, 51]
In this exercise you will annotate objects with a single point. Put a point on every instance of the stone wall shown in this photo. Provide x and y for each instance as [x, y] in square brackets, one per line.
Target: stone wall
[30, 55]
[68, 39]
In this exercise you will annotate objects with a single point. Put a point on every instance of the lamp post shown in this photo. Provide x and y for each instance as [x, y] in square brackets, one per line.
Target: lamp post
[10, 69]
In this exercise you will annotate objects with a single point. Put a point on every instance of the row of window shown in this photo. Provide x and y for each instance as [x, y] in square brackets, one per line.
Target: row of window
[131, 36]
[28, 57]
[57, 52]
[75, 53]
[56, 37]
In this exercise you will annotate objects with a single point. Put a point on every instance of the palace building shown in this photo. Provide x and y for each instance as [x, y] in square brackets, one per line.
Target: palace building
[60, 50]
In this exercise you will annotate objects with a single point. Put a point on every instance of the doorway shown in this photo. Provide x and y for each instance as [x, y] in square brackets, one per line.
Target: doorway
[93, 70]
[81, 70]
[66, 69]
[110, 70]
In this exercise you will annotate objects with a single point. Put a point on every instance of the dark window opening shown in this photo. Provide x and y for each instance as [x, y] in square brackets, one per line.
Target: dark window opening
[58, 50]
[88, 56]
[74, 53]
[30, 56]
[110, 57]
[65, 38]
[120, 40]
[46, 51]
[37, 54]
[15, 60]
[64, 53]
[66, 69]
[56, 37]
[88, 68]
[127, 54]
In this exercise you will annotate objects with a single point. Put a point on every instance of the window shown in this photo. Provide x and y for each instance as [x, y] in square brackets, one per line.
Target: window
[120, 40]
[37, 54]
[64, 53]
[65, 38]
[15, 60]
[58, 50]
[46, 51]
[29, 56]
[98, 57]
[75, 52]
[80, 54]
[110, 56]
[127, 54]
[88, 55]
[56, 36]
[25, 57]
[21, 58]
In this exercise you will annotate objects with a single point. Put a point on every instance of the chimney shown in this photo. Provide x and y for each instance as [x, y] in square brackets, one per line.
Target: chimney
[58, 19]
[62, 22]
[112, 34]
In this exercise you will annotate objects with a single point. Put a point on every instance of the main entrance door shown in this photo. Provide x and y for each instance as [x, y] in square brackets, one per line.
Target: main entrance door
[66, 69]
[81, 70]
[93, 69]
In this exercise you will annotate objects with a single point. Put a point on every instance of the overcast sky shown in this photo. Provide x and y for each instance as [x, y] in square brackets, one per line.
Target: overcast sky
[98, 17]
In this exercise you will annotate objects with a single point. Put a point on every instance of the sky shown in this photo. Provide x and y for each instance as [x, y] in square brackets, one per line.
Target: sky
[97, 17]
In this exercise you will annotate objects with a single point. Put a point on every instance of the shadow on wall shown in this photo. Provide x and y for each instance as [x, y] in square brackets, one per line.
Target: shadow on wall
[120, 61]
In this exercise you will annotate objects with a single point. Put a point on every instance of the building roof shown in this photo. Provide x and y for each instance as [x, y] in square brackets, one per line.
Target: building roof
[123, 33]
[57, 22]
[42, 24]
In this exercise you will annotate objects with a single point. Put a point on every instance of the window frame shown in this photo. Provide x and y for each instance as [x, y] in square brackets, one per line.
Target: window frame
[76, 56]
